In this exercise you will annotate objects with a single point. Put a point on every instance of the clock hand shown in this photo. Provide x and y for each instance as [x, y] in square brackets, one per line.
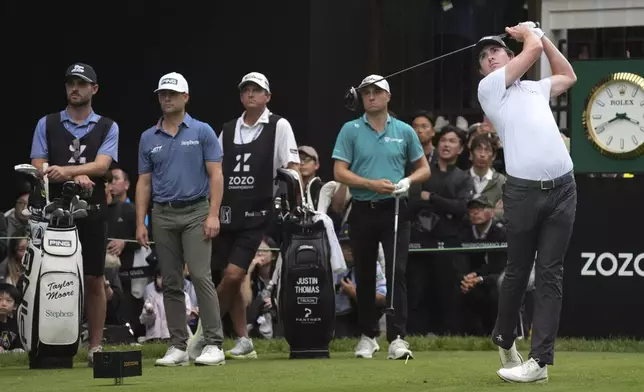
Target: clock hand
[601, 126]
[625, 117]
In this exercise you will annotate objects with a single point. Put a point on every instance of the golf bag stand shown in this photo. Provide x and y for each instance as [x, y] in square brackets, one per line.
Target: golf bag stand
[306, 293]
[52, 287]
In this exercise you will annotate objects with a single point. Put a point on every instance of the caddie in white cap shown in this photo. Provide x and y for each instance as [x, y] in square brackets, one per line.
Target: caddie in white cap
[255, 145]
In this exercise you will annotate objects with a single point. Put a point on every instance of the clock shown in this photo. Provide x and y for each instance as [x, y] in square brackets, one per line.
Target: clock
[613, 118]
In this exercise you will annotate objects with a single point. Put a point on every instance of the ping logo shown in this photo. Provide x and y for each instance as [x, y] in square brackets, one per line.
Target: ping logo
[239, 165]
[170, 81]
[60, 243]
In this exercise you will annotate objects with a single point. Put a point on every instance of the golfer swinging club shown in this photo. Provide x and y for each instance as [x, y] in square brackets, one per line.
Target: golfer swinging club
[370, 155]
[540, 194]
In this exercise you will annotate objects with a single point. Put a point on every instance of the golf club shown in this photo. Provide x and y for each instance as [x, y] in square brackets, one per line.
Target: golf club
[78, 214]
[45, 166]
[27, 169]
[74, 203]
[389, 311]
[351, 99]
[82, 205]
[58, 213]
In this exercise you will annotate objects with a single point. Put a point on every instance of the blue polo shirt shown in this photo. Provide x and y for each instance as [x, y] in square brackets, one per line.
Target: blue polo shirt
[39, 149]
[377, 156]
[177, 163]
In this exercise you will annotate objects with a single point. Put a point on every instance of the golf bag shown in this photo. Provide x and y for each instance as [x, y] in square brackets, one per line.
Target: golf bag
[306, 296]
[52, 286]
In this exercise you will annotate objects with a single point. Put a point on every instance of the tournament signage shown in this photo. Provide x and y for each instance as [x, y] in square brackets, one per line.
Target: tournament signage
[604, 269]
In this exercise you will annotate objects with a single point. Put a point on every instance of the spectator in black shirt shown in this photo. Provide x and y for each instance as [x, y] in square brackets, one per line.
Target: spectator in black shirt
[9, 338]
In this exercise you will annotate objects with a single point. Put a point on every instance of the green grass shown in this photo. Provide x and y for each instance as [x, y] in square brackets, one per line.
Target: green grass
[440, 364]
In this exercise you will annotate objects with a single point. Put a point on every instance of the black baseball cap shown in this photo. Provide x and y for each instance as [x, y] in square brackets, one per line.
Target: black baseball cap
[480, 201]
[83, 71]
[487, 41]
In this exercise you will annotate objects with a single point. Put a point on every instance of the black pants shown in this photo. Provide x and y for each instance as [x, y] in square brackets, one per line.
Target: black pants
[538, 220]
[371, 224]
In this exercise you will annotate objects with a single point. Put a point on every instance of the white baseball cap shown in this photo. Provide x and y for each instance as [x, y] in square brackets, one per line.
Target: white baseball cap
[257, 78]
[173, 81]
[383, 84]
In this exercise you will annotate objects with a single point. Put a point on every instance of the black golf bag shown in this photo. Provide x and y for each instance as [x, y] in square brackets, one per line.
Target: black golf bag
[306, 295]
[52, 286]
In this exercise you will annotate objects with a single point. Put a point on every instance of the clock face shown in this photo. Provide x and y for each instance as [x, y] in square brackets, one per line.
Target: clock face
[615, 117]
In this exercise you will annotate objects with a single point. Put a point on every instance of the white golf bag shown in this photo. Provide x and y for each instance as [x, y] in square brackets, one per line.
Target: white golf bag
[52, 286]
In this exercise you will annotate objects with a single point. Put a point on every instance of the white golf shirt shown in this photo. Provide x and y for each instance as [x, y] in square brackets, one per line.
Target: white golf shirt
[521, 115]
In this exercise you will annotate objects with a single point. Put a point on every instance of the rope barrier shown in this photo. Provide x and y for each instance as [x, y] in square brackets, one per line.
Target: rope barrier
[467, 247]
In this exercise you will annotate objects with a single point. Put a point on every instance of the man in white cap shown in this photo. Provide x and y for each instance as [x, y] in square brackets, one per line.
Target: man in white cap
[371, 154]
[180, 166]
[255, 145]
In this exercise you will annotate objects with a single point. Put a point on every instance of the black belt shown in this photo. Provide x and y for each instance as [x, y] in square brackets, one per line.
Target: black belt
[376, 204]
[544, 185]
[181, 203]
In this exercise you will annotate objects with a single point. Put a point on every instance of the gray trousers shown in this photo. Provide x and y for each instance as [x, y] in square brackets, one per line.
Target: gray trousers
[179, 238]
[538, 220]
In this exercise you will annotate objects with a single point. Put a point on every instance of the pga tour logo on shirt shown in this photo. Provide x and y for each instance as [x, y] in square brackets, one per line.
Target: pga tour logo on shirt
[190, 142]
[392, 139]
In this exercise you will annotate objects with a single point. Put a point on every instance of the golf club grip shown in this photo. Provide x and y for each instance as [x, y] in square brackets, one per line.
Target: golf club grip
[45, 166]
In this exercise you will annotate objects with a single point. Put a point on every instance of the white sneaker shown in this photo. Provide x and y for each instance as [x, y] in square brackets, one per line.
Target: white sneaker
[243, 350]
[510, 358]
[173, 357]
[528, 371]
[211, 356]
[196, 343]
[399, 349]
[366, 347]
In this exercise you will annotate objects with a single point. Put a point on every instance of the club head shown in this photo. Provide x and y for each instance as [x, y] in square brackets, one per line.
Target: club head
[351, 99]
[81, 205]
[27, 169]
[79, 214]
[388, 311]
[58, 213]
[75, 201]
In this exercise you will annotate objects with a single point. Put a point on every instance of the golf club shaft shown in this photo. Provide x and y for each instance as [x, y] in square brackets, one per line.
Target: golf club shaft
[393, 263]
[45, 166]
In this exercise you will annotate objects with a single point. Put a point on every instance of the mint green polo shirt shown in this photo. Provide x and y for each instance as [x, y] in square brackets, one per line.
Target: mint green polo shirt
[377, 156]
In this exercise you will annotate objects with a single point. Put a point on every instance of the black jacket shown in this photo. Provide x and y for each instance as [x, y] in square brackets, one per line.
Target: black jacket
[488, 264]
[442, 216]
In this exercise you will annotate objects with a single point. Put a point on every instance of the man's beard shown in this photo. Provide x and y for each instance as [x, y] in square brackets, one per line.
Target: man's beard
[78, 104]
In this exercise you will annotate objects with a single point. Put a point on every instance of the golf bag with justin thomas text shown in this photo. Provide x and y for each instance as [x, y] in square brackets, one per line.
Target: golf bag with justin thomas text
[306, 297]
[52, 287]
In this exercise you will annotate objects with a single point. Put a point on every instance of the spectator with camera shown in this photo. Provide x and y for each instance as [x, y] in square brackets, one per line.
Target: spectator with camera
[438, 208]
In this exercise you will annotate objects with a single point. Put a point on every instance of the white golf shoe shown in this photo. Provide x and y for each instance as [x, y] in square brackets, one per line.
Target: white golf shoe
[510, 358]
[173, 357]
[211, 356]
[243, 350]
[399, 349]
[366, 347]
[527, 372]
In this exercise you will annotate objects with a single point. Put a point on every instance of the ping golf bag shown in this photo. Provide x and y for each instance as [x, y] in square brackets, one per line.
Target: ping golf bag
[306, 296]
[52, 286]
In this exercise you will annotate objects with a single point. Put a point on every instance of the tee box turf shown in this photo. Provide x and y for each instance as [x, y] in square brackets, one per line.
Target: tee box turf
[117, 365]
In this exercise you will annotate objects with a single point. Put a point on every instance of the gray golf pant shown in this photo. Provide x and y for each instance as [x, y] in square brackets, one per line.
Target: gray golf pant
[179, 238]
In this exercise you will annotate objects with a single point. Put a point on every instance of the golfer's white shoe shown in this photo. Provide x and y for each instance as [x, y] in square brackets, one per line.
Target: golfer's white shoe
[366, 347]
[510, 358]
[211, 356]
[243, 349]
[527, 372]
[399, 349]
[173, 357]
